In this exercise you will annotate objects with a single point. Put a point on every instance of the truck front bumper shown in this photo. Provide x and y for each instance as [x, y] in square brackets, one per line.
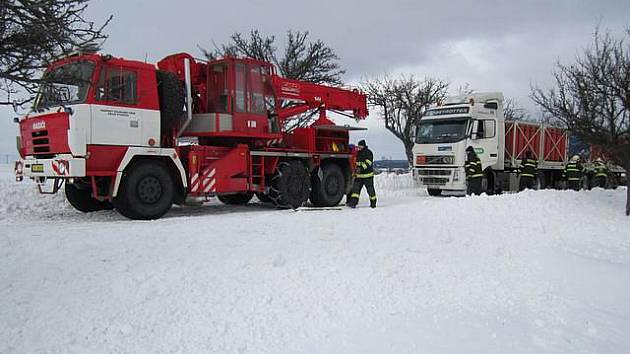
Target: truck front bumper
[443, 178]
[62, 166]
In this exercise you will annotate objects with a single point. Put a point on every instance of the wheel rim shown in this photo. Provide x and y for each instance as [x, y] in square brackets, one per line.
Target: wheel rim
[149, 190]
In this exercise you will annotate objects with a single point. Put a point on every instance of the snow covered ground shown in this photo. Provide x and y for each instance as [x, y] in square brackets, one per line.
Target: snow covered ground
[536, 272]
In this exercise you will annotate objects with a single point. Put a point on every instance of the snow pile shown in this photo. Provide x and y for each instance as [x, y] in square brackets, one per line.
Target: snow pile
[24, 199]
[391, 182]
[534, 272]
[21, 200]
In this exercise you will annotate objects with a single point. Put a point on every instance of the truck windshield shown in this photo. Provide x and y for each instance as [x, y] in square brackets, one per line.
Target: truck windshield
[67, 84]
[441, 131]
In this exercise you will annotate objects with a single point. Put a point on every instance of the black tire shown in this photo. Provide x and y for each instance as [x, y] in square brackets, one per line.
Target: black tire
[263, 197]
[236, 199]
[172, 101]
[290, 185]
[146, 191]
[329, 186]
[434, 192]
[81, 199]
[588, 182]
[612, 182]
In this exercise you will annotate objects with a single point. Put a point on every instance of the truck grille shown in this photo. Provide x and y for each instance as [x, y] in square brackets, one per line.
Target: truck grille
[434, 177]
[434, 160]
[439, 160]
[427, 172]
[434, 181]
[41, 143]
[45, 136]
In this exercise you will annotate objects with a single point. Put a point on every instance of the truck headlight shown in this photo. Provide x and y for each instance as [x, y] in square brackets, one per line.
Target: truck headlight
[18, 169]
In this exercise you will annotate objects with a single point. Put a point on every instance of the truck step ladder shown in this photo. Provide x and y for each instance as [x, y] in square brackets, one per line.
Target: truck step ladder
[257, 173]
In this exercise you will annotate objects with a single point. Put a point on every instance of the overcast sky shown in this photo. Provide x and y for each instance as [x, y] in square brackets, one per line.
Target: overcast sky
[491, 45]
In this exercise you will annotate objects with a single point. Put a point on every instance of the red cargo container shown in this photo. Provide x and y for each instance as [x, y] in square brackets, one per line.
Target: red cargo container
[547, 144]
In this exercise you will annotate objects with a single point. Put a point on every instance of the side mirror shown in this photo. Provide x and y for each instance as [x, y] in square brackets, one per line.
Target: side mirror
[64, 93]
[491, 105]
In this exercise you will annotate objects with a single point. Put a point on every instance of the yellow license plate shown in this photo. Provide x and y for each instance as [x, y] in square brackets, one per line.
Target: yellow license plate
[37, 168]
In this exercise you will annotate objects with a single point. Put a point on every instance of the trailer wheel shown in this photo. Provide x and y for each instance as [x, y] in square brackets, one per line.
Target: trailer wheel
[236, 199]
[290, 185]
[172, 101]
[329, 186]
[434, 192]
[81, 199]
[540, 182]
[587, 183]
[146, 191]
[612, 182]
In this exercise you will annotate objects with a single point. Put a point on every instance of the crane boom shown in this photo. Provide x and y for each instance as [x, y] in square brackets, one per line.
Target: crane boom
[307, 96]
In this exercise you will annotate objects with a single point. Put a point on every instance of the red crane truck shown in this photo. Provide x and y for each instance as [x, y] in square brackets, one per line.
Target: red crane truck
[129, 135]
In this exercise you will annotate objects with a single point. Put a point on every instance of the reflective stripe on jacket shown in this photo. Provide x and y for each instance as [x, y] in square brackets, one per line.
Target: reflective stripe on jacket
[601, 170]
[473, 168]
[528, 167]
[573, 171]
[364, 164]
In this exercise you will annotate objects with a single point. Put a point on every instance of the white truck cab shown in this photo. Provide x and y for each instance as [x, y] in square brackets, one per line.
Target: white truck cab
[446, 130]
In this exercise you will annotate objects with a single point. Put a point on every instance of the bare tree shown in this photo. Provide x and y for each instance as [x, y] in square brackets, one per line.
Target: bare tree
[309, 61]
[35, 32]
[402, 101]
[255, 46]
[592, 97]
[302, 59]
[513, 111]
[465, 90]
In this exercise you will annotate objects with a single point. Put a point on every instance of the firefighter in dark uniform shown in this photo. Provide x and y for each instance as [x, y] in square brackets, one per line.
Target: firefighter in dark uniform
[364, 176]
[528, 170]
[601, 173]
[573, 173]
[474, 173]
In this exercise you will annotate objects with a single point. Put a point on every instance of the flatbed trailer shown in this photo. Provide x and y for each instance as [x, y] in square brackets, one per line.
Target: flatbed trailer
[477, 120]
